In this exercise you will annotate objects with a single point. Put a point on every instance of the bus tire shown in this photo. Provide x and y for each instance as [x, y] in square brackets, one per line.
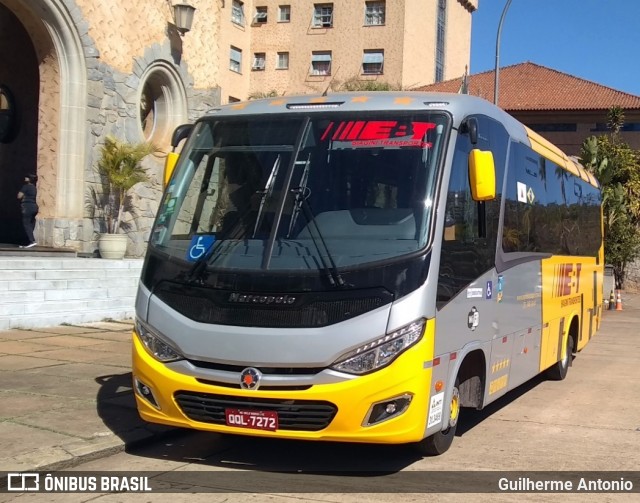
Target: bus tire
[559, 369]
[439, 442]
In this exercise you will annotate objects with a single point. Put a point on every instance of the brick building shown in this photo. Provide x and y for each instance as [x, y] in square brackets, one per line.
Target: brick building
[563, 108]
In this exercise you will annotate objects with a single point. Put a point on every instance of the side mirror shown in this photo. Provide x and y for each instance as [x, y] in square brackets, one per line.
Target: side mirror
[470, 126]
[180, 133]
[482, 175]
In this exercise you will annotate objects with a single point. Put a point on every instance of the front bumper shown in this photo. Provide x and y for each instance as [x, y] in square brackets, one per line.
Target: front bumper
[352, 399]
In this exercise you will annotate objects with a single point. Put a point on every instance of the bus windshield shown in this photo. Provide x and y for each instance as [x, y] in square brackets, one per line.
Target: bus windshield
[302, 192]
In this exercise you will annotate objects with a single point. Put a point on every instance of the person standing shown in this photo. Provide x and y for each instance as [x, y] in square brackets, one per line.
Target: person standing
[29, 208]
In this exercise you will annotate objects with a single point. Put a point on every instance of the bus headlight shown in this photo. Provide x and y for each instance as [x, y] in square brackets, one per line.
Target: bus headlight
[157, 347]
[381, 352]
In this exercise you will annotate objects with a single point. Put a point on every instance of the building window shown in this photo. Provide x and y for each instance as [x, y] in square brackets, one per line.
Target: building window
[283, 61]
[321, 63]
[284, 13]
[237, 12]
[323, 15]
[565, 127]
[373, 62]
[235, 59]
[374, 13]
[258, 61]
[440, 37]
[627, 126]
[261, 15]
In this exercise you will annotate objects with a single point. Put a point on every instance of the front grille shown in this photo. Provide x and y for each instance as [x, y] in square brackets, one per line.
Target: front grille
[299, 415]
[206, 305]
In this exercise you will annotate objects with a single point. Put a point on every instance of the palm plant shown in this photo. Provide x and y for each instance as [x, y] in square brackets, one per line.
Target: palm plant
[120, 169]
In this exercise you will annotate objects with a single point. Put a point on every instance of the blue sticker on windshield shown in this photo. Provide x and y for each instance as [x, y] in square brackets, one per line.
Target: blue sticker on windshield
[199, 246]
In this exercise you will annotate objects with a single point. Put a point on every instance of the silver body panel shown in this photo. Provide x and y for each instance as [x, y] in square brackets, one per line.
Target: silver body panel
[269, 347]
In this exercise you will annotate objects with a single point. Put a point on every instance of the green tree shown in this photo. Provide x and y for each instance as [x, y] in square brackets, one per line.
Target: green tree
[355, 84]
[617, 168]
[260, 95]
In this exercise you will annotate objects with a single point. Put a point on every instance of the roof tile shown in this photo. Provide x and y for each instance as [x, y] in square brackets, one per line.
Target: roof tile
[532, 87]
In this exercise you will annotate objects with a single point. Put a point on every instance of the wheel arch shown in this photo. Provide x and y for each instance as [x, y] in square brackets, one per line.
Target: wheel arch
[574, 331]
[471, 375]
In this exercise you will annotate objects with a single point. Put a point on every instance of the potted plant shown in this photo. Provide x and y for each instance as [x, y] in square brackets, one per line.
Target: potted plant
[119, 168]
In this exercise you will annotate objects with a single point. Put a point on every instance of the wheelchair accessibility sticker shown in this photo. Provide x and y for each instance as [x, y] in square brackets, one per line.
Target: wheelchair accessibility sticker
[199, 246]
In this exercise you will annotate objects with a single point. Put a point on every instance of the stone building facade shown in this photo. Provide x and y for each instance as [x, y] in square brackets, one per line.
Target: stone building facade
[73, 72]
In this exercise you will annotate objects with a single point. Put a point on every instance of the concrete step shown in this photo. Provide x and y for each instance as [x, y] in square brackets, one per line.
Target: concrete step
[13, 250]
[38, 291]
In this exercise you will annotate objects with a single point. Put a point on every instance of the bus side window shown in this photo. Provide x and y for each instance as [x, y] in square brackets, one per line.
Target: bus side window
[461, 217]
[460, 256]
[470, 227]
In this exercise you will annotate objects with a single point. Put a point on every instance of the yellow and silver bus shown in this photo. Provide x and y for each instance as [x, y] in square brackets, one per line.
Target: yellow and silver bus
[359, 267]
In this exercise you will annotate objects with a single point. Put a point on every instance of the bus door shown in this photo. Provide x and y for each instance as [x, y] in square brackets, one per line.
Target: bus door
[467, 280]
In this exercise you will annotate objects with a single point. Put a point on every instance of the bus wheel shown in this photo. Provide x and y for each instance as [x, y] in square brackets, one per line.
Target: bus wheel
[439, 442]
[559, 370]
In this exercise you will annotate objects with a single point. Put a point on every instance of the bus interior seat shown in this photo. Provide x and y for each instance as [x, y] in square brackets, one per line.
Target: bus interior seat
[360, 223]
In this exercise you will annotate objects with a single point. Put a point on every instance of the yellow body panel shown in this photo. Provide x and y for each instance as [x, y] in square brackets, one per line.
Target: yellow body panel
[547, 149]
[353, 398]
[571, 290]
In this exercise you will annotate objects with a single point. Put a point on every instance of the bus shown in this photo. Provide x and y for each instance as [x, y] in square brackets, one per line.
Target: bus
[359, 267]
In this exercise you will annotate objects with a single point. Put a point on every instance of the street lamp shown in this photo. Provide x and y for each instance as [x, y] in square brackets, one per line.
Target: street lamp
[497, 69]
[183, 16]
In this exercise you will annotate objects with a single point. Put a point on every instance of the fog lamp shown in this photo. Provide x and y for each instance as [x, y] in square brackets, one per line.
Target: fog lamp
[392, 407]
[145, 392]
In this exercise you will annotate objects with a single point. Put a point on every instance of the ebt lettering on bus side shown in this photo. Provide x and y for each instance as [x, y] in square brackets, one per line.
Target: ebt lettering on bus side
[566, 279]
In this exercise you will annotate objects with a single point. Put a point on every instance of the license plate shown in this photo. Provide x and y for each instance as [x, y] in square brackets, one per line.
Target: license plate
[252, 419]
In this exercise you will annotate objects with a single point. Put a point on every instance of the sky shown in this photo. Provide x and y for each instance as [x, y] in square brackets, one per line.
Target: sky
[597, 40]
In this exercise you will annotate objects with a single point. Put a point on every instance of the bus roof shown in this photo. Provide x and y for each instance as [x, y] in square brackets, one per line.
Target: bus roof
[458, 105]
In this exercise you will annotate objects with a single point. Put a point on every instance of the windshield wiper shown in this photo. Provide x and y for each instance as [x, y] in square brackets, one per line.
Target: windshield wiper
[300, 193]
[266, 193]
[333, 275]
[301, 204]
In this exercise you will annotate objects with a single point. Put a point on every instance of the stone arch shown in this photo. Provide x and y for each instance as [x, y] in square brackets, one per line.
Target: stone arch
[53, 28]
[71, 161]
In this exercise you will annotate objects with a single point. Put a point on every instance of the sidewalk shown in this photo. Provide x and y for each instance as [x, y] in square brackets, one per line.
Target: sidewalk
[66, 396]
